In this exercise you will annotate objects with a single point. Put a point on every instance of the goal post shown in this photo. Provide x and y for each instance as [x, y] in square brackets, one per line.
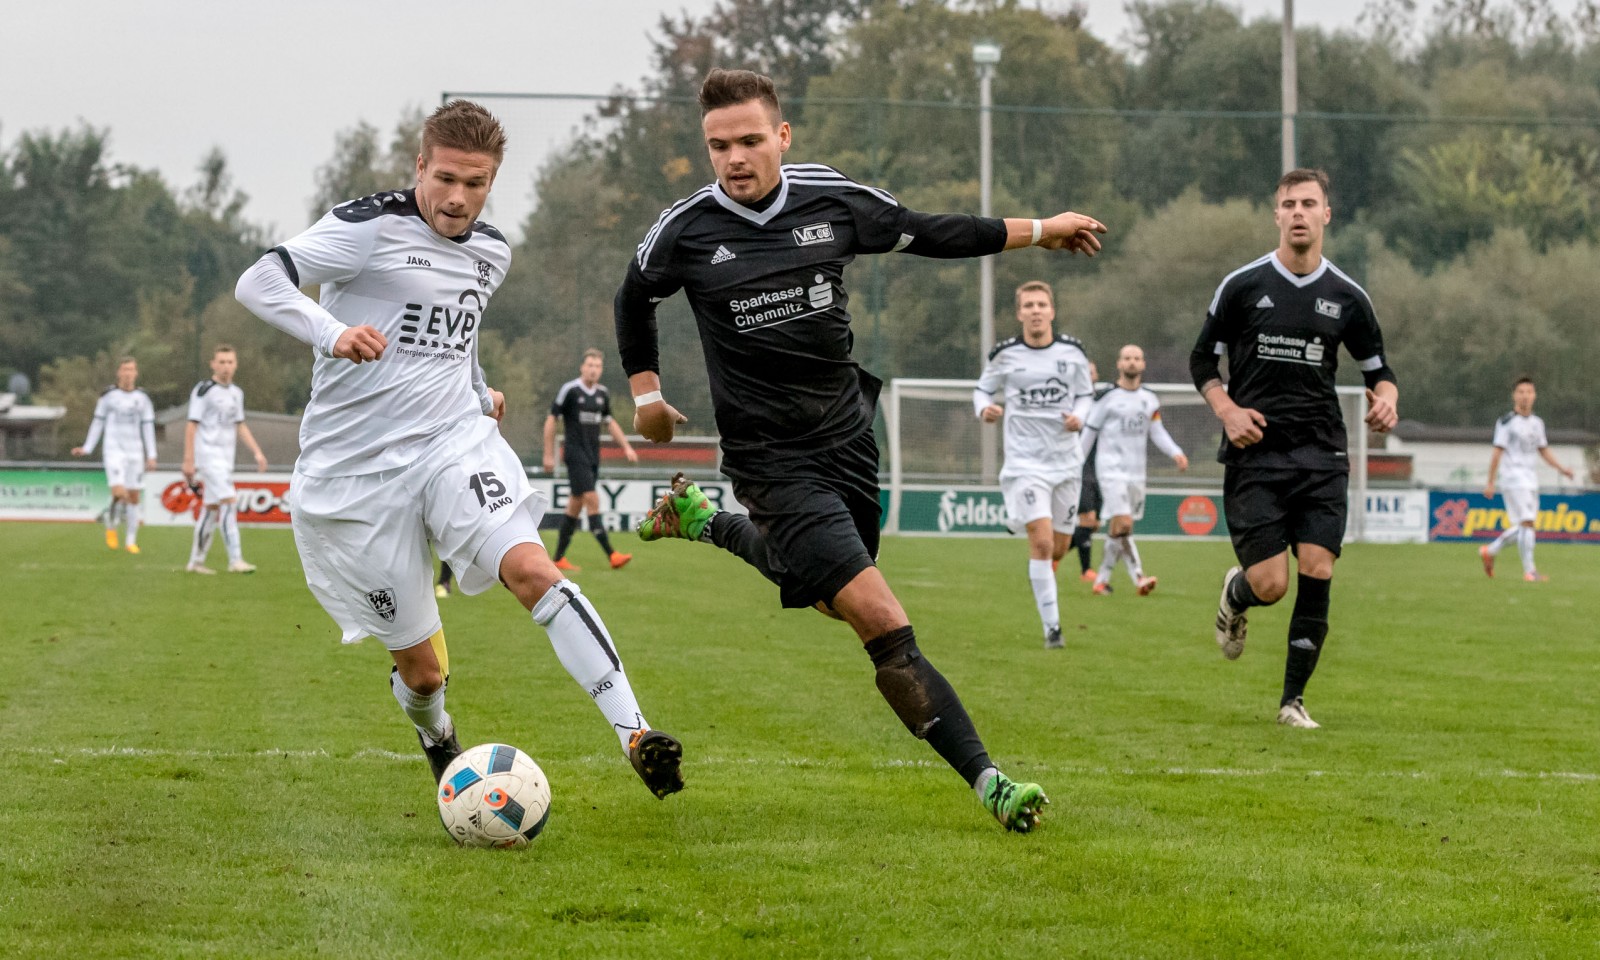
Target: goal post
[936, 484]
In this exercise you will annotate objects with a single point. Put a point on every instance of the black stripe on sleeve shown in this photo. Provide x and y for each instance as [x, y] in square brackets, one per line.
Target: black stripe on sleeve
[288, 265]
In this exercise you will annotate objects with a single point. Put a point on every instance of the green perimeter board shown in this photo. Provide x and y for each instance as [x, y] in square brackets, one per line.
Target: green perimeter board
[982, 510]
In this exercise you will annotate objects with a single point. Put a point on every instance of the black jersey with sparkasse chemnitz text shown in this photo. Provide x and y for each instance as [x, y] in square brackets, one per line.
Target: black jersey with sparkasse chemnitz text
[1281, 334]
[766, 288]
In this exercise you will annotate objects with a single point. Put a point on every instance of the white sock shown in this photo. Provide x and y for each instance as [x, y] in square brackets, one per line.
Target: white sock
[204, 526]
[1130, 556]
[1108, 559]
[1513, 532]
[1043, 580]
[1525, 547]
[229, 521]
[427, 712]
[585, 649]
[982, 783]
[131, 515]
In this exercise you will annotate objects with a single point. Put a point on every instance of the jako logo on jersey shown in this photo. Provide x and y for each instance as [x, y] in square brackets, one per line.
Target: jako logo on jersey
[1265, 303]
[723, 255]
[417, 262]
[382, 601]
[820, 295]
[813, 233]
[1328, 308]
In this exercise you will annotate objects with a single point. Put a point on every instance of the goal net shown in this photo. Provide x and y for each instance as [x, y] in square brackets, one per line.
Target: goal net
[944, 463]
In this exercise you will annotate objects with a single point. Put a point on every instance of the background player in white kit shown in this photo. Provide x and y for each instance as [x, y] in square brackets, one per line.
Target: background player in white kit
[1118, 427]
[1519, 441]
[1043, 378]
[400, 446]
[127, 420]
[216, 420]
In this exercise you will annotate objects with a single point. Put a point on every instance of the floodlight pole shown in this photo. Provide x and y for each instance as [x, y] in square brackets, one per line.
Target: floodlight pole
[1290, 82]
[985, 54]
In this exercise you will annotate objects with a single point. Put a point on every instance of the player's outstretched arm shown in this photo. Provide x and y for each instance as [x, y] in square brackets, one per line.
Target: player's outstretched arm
[1072, 232]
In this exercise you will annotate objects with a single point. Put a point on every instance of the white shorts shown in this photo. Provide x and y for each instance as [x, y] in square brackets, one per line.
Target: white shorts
[364, 540]
[1522, 505]
[217, 482]
[1123, 498]
[125, 470]
[1037, 498]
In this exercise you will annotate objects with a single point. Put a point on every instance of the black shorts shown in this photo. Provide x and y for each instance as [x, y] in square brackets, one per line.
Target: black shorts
[819, 514]
[1270, 511]
[581, 477]
[1089, 500]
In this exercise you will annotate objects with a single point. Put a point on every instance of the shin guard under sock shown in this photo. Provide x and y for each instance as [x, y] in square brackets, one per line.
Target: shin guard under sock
[926, 703]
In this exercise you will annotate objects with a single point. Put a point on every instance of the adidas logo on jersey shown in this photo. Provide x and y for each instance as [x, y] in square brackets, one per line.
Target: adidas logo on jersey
[723, 255]
[1263, 303]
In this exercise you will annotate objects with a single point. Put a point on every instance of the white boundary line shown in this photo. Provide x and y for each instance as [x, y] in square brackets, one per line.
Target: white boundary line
[63, 755]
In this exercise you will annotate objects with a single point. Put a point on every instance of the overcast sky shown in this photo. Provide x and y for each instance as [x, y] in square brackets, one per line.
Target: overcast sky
[271, 84]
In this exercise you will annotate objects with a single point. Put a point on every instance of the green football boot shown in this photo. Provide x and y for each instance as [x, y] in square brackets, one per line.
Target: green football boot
[1016, 805]
[683, 512]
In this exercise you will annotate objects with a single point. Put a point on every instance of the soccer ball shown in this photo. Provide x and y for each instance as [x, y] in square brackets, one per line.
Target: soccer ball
[493, 795]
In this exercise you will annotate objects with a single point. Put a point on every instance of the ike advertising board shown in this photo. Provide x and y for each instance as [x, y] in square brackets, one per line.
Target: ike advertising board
[1563, 517]
[982, 511]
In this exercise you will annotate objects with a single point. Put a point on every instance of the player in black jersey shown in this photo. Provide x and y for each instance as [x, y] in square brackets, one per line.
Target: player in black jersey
[584, 406]
[1280, 319]
[760, 254]
[1089, 499]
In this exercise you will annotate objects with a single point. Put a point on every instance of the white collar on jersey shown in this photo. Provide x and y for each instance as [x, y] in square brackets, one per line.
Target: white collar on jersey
[762, 217]
[1299, 281]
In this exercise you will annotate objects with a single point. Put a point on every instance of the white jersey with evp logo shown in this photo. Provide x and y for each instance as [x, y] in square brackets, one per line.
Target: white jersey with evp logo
[1120, 425]
[1521, 438]
[378, 263]
[1038, 386]
[126, 418]
[218, 409]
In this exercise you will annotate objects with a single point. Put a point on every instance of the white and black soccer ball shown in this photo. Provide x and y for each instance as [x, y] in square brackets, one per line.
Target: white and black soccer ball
[494, 795]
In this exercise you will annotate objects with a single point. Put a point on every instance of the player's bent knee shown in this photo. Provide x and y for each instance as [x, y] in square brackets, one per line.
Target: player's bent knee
[528, 572]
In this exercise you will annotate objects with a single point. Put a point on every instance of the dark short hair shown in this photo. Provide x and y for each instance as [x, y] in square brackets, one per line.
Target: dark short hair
[1304, 175]
[465, 126]
[224, 348]
[729, 88]
[1520, 382]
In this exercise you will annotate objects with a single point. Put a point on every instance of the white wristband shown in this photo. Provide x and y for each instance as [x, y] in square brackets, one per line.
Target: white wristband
[1038, 231]
[644, 399]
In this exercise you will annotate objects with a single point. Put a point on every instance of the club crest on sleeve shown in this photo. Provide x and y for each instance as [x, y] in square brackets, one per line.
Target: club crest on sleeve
[382, 601]
[1328, 308]
[483, 272]
[813, 233]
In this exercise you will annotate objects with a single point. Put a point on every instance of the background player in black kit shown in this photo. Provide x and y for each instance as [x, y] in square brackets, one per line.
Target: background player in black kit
[1280, 319]
[1089, 499]
[583, 406]
[760, 254]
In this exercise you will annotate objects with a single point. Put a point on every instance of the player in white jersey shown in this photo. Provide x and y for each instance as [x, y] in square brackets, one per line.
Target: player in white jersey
[1040, 383]
[1119, 425]
[1519, 443]
[216, 421]
[400, 447]
[126, 419]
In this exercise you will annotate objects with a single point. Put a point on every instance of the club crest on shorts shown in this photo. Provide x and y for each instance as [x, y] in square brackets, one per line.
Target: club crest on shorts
[382, 601]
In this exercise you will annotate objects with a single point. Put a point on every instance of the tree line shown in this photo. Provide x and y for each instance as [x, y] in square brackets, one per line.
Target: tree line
[1463, 142]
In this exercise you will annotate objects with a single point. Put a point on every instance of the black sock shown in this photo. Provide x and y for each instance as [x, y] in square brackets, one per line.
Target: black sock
[598, 528]
[444, 574]
[926, 703]
[1308, 627]
[1082, 538]
[1241, 597]
[739, 535]
[564, 540]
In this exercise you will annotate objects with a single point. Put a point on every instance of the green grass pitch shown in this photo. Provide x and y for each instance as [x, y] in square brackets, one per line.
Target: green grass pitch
[195, 767]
